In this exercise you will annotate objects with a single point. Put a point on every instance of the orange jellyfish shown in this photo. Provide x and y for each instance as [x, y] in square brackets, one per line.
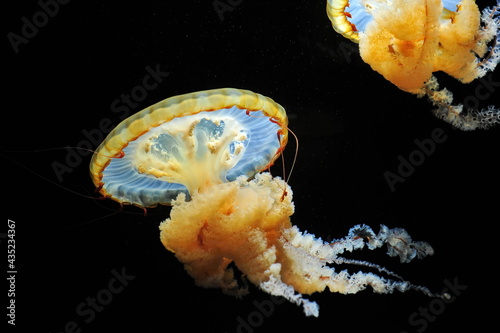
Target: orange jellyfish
[408, 40]
[204, 153]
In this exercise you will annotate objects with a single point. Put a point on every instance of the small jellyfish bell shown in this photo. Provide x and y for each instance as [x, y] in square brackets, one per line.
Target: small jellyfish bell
[204, 154]
[408, 40]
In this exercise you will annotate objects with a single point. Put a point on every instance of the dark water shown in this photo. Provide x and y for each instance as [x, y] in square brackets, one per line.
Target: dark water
[84, 266]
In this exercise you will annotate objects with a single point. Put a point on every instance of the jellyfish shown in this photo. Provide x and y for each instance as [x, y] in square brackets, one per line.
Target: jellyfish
[406, 41]
[207, 154]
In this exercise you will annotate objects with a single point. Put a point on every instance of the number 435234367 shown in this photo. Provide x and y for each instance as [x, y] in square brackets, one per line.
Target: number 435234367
[11, 244]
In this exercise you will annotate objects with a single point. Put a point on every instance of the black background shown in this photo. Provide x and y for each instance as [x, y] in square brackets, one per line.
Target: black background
[352, 125]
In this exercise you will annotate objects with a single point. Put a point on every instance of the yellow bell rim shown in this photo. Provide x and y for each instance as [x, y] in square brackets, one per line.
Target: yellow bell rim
[179, 106]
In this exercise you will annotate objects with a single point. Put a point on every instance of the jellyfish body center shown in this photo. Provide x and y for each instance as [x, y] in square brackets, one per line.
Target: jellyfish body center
[196, 151]
[238, 222]
[400, 45]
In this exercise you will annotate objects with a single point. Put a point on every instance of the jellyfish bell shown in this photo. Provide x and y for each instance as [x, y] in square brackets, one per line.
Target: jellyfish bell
[406, 41]
[188, 143]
